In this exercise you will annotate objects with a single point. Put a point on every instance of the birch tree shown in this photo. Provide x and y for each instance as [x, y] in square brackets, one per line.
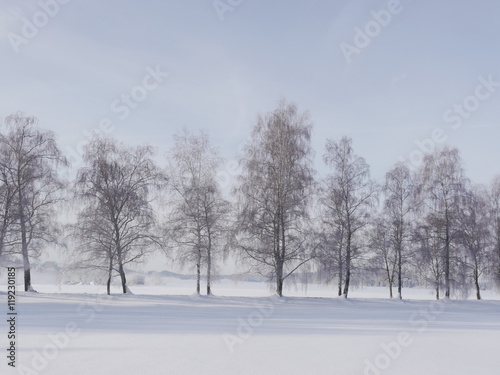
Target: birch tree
[118, 184]
[348, 195]
[386, 254]
[400, 207]
[474, 235]
[331, 255]
[443, 182]
[93, 239]
[199, 213]
[430, 253]
[273, 194]
[494, 221]
[8, 194]
[32, 187]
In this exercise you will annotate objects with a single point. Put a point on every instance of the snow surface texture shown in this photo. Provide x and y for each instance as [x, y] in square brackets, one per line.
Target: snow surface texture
[79, 330]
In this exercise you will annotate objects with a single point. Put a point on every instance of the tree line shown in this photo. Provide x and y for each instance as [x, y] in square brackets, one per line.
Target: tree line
[429, 225]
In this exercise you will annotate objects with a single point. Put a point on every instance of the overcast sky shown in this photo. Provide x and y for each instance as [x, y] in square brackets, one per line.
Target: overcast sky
[225, 65]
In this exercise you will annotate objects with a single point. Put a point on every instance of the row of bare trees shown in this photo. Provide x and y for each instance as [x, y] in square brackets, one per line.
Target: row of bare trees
[429, 226]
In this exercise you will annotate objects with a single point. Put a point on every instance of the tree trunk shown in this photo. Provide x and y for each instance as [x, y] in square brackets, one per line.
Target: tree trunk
[400, 278]
[347, 277]
[400, 236]
[2, 240]
[2, 233]
[341, 270]
[123, 278]
[209, 263]
[279, 277]
[347, 265]
[108, 285]
[389, 278]
[119, 259]
[437, 291]
[447, 259]
[110, 275]
[24, 245]
[27, 273]
[279, 286]
[6, 216]
[280, 254]
[476, 282]
[198, 273]
[498, 257]
[209, 290]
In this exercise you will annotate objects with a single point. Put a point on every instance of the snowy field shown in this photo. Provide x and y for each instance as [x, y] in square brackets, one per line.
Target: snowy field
[166, 330]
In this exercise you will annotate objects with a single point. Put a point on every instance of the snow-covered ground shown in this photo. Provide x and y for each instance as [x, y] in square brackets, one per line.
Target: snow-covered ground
[166, 330]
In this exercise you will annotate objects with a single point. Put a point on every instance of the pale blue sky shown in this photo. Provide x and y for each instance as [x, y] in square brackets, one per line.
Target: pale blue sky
[222, 73]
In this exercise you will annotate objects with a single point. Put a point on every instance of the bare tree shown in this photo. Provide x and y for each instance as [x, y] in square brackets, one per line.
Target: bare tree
[330, 254]
[94, 242]
[494, 220]
[386, 254]
[216, 211]
[430, 255]
[443, 181]
[8, 195]
[348, 194]
[198, 219]
[274, 192]
[117, 184]
[32, 186]
[474, 234]
[400, 206]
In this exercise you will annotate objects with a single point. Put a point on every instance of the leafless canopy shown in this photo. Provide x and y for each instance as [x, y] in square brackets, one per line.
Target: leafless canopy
[197, 222]
[274, 192]
[117, 222]
[347, 194]
[30, 187]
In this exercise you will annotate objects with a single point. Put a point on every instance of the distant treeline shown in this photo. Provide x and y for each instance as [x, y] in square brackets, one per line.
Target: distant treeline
[427, 225]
